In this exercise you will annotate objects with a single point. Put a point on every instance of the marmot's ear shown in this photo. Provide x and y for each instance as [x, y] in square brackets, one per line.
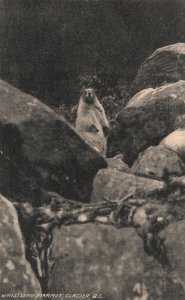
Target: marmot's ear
[82, 91]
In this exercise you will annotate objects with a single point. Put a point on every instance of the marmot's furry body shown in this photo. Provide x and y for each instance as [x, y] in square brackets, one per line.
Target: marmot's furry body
[91, 122]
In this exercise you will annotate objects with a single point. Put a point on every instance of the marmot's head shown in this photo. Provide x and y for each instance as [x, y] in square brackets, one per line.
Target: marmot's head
[88, 95]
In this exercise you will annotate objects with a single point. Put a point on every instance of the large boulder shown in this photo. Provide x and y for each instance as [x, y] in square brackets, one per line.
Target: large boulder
[114, 185]
[150, 116]
[175, 141]
[174, 244]
[117, 163]
[39, 148]
[16, 274]
[165, 65]
[103, 262]
[158, 162]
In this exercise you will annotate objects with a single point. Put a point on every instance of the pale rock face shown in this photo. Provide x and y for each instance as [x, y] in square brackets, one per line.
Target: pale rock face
[103, 260]
[138, 98]
[175, 248]
[16, 275]
[149, 117]
[117, 163]
[176, 141]
[157, 161]
[114, 185]
[165, 65]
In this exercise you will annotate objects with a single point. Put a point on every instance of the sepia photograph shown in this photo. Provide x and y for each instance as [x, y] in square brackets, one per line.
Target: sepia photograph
[92, 149]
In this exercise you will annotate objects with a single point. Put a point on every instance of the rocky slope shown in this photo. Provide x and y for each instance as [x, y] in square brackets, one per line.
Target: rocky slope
[133, 248]
[158, 106]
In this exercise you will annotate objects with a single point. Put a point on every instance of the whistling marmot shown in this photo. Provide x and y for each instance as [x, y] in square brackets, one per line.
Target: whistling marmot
[91, 122]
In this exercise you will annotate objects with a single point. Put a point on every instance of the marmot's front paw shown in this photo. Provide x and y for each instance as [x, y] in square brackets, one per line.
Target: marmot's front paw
[106, 131]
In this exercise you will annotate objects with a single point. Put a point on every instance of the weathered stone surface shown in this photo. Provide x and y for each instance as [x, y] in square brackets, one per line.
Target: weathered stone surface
[117, 163]
[99, 259]
[174, 243]
[165, 65]
[180, 122]
[175, 141]
[114, 186]
[114, 139]
[39, 148]
[150, 116]
[158, 161]
[16, 275]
